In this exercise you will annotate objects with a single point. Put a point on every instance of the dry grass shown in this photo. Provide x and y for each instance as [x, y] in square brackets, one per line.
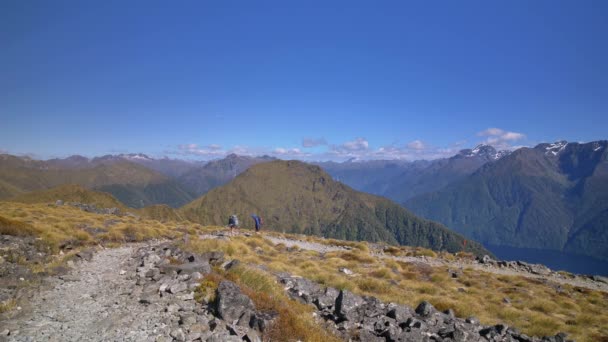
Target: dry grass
[535, 308]
[60, 226]
[295, 321]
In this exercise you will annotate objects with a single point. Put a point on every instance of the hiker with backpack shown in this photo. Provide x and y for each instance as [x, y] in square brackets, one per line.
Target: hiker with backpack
[258, 222]
[233, 222]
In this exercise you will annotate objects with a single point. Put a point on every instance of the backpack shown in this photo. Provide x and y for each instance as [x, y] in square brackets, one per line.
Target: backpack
[233, 220]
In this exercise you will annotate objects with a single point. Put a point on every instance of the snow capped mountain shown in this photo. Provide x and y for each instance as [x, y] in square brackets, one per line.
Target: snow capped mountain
[135, 156]
[483, 151]
[597, 146]
[555, 148]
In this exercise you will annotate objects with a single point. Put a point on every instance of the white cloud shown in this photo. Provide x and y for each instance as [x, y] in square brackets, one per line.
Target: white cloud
[201, 151]
[359, 144]
[500, 138]
[310, 142]
[416, 145]
[290, 153]
[491, 131]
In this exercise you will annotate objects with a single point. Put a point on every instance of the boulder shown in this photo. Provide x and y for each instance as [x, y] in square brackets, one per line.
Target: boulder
[347, 304]
[305, 290]
[425, 309]
[399, 313]
[186, 268]
[230, 303]
[327, 300]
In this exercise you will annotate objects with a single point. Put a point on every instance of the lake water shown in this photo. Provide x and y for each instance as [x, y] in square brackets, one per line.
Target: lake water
[553, 259]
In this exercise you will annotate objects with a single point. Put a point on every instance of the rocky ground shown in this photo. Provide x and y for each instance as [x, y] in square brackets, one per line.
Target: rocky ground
[146, 293]
[131, 293]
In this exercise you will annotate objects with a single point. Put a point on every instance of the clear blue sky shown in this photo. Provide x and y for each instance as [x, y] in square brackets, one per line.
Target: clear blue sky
[199, 79]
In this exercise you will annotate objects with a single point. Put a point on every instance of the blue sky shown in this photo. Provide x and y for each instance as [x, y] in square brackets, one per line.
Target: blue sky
[299, 79]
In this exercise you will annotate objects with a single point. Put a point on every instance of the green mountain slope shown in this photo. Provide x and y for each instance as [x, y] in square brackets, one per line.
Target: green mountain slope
[296, 197]
[547, 197]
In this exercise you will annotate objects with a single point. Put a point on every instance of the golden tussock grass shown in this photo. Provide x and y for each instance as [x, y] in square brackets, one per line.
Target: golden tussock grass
[534, 307]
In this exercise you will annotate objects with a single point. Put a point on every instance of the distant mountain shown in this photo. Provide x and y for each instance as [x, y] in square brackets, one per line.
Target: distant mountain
[552, 196]
[372, 176]
[441, 172]
[169, 167]
[71, 193]
[131, 183]
[401, 180]
[296, 197]
[201, 179]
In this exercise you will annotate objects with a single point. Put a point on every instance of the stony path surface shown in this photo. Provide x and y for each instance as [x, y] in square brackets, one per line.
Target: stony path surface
[435, 262]
[94, 302]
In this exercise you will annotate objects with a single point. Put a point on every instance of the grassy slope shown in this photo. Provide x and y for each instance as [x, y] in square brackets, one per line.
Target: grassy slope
[537, 308]
[299, 198]
[76, 193]
[70, 193]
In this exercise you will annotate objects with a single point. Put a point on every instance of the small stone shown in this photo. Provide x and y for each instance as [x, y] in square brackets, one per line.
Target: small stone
[189, 296]
[506, 300]
[5, 332]
[179, 287]
[346, 271]
[171, 308]
[196, 276]
[178, 334]
[472, 320]
[198, 328]
[122, 272]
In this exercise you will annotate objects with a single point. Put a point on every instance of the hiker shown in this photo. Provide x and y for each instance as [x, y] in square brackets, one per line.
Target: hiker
[258, 222]
[233, 222]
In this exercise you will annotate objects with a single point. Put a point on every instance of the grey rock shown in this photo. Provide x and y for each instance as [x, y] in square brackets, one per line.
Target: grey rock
[230, 302]
[187, 268]
[425, 309]
[328, 299]
[346, 305]
[85, 254]
[177, 287]
[178, 335]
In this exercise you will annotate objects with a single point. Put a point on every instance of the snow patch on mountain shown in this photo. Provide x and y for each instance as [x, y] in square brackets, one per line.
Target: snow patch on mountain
[556, 147]
[484, 151]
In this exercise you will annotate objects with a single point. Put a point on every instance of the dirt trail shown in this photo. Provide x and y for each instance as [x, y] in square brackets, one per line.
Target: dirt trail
[435, 262]
[94, 302]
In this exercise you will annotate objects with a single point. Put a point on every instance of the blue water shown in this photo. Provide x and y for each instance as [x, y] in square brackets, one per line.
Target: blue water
[555, 260]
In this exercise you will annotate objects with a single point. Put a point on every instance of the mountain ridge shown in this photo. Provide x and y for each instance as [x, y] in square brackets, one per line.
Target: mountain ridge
[551, 196]
[301, 198]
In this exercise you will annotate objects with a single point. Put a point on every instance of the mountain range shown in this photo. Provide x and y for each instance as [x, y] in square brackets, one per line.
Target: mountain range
[296, 197]
[133, 184]
[552, 196]
[402, 180]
